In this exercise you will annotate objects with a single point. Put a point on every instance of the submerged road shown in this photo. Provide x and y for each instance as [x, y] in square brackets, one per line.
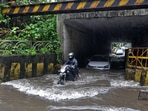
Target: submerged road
[93, 91]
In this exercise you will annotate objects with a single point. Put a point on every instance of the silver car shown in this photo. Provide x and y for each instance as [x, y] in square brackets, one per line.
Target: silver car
[100, 62]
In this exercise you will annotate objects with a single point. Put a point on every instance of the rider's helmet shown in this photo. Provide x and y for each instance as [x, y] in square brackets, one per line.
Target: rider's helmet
[71, 55]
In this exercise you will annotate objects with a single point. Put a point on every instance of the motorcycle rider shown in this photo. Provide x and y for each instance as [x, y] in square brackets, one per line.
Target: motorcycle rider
[72, 61]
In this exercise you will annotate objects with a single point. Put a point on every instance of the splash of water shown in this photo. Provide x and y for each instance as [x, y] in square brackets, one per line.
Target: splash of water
[95, 108]
[56, 93]
[123, 83]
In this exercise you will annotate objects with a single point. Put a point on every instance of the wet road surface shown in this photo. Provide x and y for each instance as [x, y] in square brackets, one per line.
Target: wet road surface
[93, 91]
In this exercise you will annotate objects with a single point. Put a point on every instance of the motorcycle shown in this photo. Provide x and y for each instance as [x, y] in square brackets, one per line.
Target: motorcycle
[66, 73]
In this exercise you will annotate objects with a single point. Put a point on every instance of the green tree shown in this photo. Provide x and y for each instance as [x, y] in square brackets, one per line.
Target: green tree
[39, 28]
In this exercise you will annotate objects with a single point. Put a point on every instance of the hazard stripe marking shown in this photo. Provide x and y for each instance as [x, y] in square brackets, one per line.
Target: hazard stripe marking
[81, 5]
[109, 3]
[57, 7]
[138, 2]
[35, 9]
[26, 9]
[69, 5]
[94, 4]
[123, 2]
[75, 6]
[46, 8]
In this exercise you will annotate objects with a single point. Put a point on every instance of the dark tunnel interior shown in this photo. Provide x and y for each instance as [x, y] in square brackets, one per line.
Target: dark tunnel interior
[95, 35]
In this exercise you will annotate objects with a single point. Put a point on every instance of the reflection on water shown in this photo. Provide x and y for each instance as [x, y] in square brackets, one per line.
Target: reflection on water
[94, 91]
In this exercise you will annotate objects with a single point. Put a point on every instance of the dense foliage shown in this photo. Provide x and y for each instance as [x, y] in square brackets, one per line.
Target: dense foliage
[24, 2]
[32, 29]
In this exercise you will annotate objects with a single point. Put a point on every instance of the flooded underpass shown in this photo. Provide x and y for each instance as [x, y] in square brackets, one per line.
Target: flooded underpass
[93, 91]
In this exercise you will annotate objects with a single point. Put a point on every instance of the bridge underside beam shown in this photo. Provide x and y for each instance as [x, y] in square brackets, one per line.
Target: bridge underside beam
[75, 6]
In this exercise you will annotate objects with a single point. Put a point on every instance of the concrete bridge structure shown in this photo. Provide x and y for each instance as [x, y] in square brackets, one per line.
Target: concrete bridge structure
[88, 27]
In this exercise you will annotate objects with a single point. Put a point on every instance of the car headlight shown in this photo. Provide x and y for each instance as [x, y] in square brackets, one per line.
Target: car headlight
[106, 66]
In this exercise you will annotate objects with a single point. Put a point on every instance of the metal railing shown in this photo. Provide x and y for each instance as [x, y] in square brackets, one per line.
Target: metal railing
[14, 46]
[137, 58]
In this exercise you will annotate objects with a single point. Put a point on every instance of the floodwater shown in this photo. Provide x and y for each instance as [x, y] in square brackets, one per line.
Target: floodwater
[93, 91]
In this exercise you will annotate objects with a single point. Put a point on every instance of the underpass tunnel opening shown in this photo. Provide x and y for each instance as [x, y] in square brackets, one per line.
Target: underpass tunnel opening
[86, 37]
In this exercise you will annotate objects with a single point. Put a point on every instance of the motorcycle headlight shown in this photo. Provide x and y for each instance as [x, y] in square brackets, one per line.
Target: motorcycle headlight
[60, 74]
[64, 74]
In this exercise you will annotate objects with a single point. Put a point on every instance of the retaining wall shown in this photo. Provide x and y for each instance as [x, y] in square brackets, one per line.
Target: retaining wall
[138, 75]
[17, 67]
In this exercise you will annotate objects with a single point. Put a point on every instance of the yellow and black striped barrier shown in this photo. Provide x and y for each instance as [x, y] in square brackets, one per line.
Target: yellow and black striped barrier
[21, 66]
[138, 75]
[75, 6]
[137, 65]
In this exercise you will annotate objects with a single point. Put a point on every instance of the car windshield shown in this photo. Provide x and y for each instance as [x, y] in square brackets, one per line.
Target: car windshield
[99, 58]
